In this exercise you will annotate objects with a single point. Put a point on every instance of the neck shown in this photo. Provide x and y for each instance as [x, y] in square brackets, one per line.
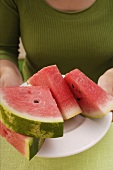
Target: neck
[70, 5]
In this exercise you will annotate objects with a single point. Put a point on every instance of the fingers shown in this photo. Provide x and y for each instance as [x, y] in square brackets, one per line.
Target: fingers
[106, 82]
[108, 87]
[10, 78]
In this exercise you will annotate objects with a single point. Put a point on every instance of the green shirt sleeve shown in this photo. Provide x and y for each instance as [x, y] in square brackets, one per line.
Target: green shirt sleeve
[9, 30]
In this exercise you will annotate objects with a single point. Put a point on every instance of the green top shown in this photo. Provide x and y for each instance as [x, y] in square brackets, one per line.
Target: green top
[81, 40]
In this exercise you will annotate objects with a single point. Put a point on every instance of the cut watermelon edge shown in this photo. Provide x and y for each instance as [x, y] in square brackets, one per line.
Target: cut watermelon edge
[72, 112]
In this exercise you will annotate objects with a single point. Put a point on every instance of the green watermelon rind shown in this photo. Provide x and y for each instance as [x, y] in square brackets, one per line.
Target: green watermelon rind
[31, 127]
[32, 146]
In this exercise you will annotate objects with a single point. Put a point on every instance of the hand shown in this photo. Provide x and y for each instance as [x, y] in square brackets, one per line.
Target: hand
[9, 74]
[106, 82]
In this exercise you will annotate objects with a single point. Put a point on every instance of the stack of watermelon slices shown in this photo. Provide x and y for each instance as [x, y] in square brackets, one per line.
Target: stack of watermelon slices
[31, 111]
[38, 111]
[29, 114]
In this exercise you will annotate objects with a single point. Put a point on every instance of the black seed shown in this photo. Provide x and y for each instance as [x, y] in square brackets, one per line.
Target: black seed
[36, 101]
[79, 99]
[72, 86]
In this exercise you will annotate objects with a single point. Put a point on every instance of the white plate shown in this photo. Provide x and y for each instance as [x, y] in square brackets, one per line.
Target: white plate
[80, 133]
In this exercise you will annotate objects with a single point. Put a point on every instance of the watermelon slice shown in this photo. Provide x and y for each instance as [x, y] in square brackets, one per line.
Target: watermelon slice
[93, 100]
[31, 111]
[27, 146]
[51, 77]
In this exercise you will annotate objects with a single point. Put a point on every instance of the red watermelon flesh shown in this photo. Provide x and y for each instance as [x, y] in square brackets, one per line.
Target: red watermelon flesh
[31, 111]
[50, 76]
[93, 100]
[32, 100]
[27, 146]
[15, 139]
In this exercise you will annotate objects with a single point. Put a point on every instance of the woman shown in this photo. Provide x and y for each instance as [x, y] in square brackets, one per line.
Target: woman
[68, 33]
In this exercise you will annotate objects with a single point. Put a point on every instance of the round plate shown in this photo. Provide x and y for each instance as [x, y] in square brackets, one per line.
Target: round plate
[80, 133]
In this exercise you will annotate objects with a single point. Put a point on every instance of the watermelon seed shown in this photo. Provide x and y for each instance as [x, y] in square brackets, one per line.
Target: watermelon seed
[29, 91]
[72, 86]
[36, 101]
[79, 99]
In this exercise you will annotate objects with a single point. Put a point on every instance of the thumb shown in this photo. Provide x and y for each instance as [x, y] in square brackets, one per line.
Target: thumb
[106, 84]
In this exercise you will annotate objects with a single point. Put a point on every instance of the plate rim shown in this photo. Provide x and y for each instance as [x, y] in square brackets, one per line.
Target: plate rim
[109, 117]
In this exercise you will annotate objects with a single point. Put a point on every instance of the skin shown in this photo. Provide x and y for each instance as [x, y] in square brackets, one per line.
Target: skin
[70, 5]
[9, 74]
[106, 82]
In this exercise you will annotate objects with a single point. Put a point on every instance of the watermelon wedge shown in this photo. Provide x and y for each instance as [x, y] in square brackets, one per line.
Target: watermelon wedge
[50, 76]
[31, 111]
[93, 100]
[27, 146]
